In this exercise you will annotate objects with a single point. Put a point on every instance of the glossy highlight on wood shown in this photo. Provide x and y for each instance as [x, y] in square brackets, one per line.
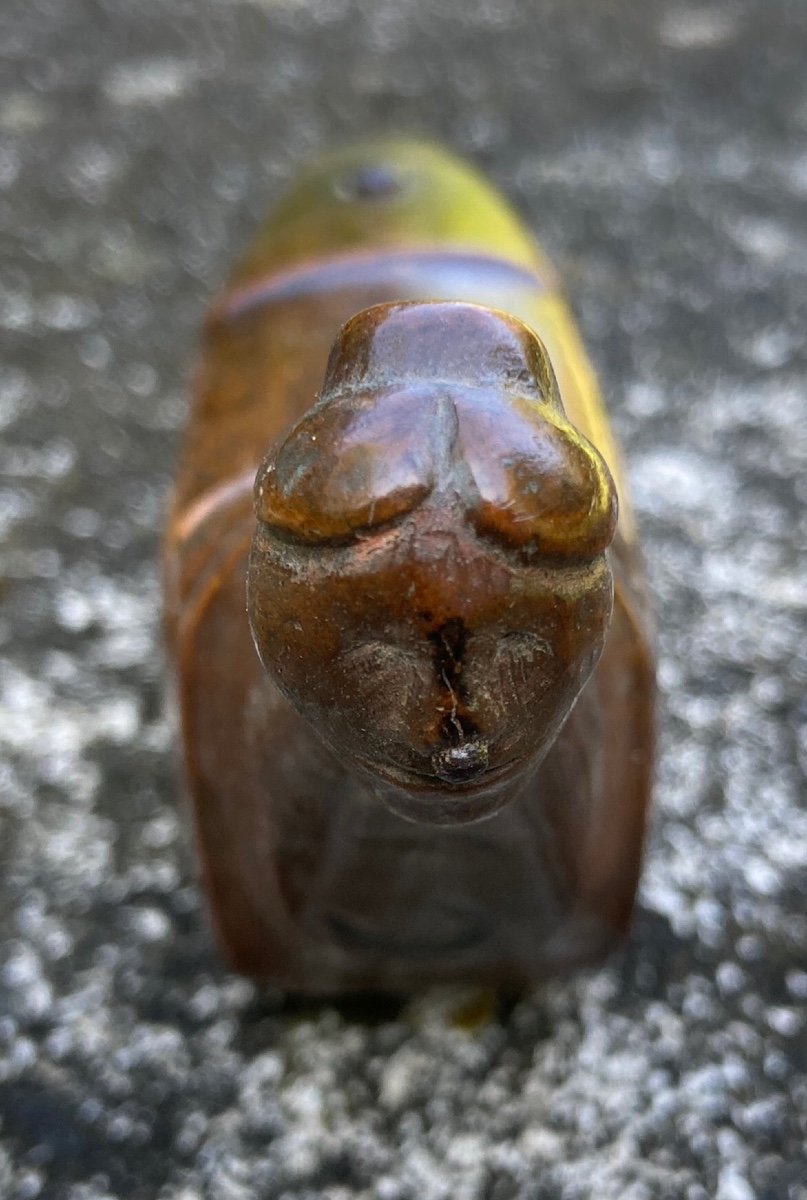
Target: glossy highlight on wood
[437, 764]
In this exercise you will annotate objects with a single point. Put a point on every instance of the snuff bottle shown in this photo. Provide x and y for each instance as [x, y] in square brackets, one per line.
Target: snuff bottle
[404, 599]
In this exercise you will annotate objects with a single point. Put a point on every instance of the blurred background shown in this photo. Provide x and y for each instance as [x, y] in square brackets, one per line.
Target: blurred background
[659, 150]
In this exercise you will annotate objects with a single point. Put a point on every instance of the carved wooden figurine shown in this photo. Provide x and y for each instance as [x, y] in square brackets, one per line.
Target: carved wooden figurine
[451, 626]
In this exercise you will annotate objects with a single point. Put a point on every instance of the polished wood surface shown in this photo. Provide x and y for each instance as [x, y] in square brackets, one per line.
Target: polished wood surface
[450, 620]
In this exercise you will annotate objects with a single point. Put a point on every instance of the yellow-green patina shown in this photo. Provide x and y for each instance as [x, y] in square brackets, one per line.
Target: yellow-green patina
[445, 205]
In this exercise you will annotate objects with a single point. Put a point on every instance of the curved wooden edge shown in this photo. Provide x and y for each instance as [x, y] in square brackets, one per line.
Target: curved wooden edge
[612, 858]
[356, 268]
[232, 823]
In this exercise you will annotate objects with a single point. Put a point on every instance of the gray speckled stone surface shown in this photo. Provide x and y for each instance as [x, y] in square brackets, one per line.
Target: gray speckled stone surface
[661, 152]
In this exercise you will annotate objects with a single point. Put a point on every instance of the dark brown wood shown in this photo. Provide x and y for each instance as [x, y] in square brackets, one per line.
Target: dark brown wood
[451, 623]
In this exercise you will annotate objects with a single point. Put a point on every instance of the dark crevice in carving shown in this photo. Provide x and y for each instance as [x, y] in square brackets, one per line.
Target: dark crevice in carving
[449, 650]
[463, 754]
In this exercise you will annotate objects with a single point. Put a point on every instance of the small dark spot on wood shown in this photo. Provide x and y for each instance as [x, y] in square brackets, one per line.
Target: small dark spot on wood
[375, 181]
[461, 762]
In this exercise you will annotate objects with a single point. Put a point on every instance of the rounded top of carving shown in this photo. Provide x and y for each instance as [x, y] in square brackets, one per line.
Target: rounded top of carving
[446, 404]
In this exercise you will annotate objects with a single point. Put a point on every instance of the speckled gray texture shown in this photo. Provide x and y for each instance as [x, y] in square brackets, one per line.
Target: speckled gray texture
[660, 150]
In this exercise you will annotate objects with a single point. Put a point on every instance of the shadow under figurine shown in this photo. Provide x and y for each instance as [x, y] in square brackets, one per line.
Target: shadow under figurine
[451, 626]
